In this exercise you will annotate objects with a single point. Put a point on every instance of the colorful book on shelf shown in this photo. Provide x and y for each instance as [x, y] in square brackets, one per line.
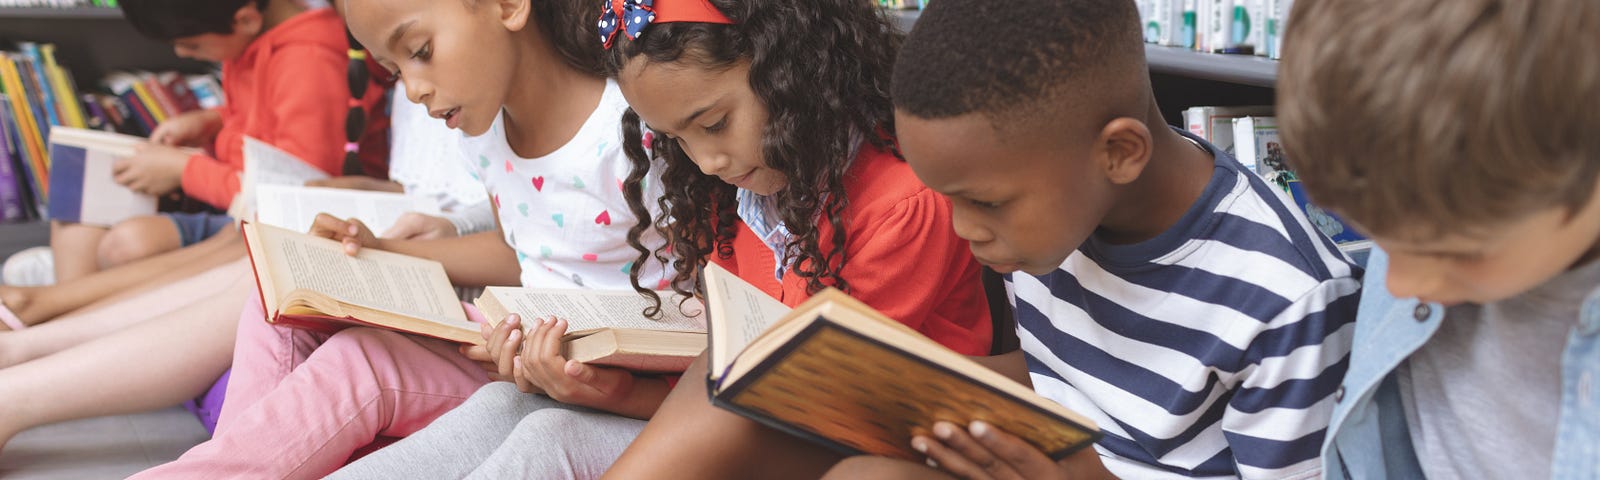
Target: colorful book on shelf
[41, 84]
[13, 204]
[82, 187]
[27, 127]
[609, 328]
[836, 372]
[1256, 145]
[1215, 124]
[1326, 222]
[63, 86]
[29, 180]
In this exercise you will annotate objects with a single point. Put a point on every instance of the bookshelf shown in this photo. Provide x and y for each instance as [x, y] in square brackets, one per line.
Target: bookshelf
[91, 41]
[1184, 78]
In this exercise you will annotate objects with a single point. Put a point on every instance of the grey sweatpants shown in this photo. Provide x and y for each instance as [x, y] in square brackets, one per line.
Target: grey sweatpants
[503, 433]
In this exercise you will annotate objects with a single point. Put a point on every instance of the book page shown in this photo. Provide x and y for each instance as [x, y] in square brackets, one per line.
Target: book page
[374, 279]
[265, 164]
[738, 312]
[593, 309]
[296, 207]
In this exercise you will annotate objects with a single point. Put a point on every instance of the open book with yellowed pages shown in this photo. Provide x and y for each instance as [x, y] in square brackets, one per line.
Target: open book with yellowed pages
[841, 374]
[609, 328]
[309, 282]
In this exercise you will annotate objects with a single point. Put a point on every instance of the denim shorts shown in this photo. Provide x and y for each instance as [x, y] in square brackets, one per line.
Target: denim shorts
[195, 227]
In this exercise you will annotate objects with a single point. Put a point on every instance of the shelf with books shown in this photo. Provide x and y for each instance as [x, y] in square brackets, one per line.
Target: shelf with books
[98, 13]
[1245, 70]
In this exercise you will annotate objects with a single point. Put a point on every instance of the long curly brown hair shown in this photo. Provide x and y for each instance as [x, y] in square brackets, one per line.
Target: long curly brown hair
[821, 68]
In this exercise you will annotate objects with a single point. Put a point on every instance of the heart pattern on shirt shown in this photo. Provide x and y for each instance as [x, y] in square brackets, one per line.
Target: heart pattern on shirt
[538, 183]
[590, 257]
[603, 218]
[560, 220]
[577, 182]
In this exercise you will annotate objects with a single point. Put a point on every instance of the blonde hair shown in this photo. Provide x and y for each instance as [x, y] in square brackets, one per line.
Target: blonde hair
[1423, 117]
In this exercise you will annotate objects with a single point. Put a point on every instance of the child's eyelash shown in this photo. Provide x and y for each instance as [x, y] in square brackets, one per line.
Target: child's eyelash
[717, 127]
[983, 205]
[423, 53]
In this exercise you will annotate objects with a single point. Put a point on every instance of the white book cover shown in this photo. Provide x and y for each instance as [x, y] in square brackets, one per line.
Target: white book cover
[265, 164]
[82, 185]
[1258, 147]
[296, 207]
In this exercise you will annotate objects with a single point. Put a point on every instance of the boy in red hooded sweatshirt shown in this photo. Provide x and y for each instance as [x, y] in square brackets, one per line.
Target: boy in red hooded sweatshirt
[284, 70]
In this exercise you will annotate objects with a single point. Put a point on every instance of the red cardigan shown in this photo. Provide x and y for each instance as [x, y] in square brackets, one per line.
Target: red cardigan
[903, 257]
[288, 89]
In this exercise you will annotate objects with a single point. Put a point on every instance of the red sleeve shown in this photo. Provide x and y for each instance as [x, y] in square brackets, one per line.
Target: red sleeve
[306, 92]
[210, 180]
[910, 265]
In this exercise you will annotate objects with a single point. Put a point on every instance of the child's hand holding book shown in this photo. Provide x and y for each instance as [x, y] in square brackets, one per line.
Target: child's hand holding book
[543, 366]
[152, 169]
[983, 452]
[351, 233]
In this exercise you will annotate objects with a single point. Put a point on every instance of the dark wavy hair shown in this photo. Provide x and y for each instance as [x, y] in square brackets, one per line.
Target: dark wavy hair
[169, 20]
[821, 68]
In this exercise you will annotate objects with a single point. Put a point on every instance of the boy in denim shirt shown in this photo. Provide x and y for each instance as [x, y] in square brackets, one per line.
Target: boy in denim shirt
[1461, 136]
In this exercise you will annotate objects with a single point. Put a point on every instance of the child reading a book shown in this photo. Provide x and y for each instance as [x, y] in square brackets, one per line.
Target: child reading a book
[1467, 153]
[285, 67]
[181, 325]
[1160, 289]
[522, 80]
[791, 185]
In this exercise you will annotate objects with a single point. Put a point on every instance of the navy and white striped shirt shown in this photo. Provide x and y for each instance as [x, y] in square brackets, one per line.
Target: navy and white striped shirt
[1212, 350]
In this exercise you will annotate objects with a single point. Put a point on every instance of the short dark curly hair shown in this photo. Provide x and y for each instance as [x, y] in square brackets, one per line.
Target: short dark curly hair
[821, 68]
[168, 20]
[1011, 56]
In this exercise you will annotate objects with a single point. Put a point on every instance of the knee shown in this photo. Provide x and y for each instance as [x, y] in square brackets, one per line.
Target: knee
[879, 468]
[137, 238]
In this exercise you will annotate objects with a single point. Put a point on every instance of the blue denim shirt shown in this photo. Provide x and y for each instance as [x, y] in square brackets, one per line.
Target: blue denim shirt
[1368, 437]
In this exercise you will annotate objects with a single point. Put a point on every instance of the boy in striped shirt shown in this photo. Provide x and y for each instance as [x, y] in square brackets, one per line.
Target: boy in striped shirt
[1160, 288]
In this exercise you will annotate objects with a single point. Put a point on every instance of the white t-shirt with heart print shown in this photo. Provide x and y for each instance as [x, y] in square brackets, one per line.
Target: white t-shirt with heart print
[564, 213]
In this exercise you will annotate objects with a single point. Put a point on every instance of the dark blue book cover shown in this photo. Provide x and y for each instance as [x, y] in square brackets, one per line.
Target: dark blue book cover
[1325, 221]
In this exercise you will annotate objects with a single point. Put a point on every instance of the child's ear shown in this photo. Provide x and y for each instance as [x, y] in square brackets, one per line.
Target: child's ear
[514, 13]
[247, 21]
[1124, 149]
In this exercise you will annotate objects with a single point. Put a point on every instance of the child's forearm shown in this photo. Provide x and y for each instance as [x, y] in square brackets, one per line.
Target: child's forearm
[475, 260]
[1011, 364]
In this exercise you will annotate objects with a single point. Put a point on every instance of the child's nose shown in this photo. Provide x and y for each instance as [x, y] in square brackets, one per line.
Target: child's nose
[416, 90]
[710, 163]
[969, 230]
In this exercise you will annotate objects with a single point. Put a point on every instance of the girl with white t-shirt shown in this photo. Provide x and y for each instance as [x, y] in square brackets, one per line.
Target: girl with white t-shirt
[542, 135]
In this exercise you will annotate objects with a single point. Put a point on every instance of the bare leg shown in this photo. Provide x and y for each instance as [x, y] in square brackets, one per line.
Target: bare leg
[107, 317]
[156, 363]
[38, 304]
[702, 441]
[76, 248]
[883, 468]
[136, 238]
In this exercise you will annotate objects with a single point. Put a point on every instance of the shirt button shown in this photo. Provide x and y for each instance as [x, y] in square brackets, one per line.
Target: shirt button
[1338, 395]
[1421, 313]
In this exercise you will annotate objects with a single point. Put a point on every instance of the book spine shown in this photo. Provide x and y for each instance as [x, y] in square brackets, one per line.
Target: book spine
[21, 161]
[1197, 120]
[47, 95]
[12, 205]
[143, 118]
[66, 93]
[26, 126]
[152, 107]
[95, 116]
[66, 183]
[1244, 143]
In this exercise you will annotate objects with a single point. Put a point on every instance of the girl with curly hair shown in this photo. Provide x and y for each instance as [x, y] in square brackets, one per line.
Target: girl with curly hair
[770, 124]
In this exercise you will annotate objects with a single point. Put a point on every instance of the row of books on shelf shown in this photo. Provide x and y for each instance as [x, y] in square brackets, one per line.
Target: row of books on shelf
[38, 94]
[1250, 134]
[1250, 27]
[57, 3]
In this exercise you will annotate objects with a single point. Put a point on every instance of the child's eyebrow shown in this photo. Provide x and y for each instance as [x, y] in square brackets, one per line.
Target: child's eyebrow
[400, 31]
[684, 124]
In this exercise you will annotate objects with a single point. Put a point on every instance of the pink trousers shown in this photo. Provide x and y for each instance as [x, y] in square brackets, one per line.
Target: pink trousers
[300, 403]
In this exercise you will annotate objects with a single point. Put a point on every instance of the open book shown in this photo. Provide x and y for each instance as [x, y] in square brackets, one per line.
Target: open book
[837, 372]
[82, 188]
[609, 328]
[296, 207]
[308, 282]
[265, 164]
